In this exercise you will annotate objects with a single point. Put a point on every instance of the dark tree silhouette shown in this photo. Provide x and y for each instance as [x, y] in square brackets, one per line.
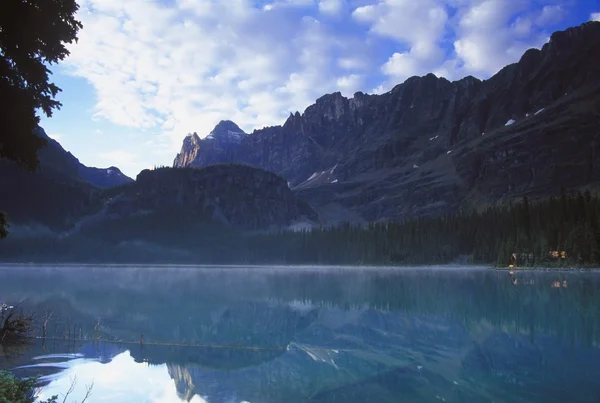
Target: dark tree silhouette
[33, 34]
[3, 225]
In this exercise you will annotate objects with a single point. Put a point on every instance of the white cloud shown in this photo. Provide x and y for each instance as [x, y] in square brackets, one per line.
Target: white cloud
[288, 3]
[352, 64]
[486, 41]
[417, 27]
[128, 162]
[551, 14]
[486, 35]
[595, 17]
[331, 7]
[183, 66]
[349, 84]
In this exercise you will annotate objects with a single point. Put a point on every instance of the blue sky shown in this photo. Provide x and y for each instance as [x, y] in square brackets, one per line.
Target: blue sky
[145, 73]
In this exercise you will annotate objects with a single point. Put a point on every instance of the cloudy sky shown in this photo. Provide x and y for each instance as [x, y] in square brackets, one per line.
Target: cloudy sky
[144, 73]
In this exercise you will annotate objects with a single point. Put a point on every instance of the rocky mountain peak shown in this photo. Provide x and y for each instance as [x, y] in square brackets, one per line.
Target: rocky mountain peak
[226, 130]
[436, 140]
[192, 139]
[225, 135]
[330, 106]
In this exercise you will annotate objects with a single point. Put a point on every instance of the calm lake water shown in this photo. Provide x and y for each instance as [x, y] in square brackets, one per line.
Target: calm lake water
[281, 334]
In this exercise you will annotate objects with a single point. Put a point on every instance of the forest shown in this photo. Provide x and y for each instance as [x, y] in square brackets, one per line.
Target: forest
[556, 231]
[561, 231]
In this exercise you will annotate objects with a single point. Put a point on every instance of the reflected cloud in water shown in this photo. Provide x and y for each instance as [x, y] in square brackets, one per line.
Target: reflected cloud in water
[321, 335]
[120, 380]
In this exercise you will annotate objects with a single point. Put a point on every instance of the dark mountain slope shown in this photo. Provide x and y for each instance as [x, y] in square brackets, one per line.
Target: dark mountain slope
[233, 195]
[58, 193]
[55, 157]
[430, 146]
[167, 215]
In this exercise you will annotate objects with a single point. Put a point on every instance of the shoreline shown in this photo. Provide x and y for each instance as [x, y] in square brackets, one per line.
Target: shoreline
[276, 266]
[549, 269]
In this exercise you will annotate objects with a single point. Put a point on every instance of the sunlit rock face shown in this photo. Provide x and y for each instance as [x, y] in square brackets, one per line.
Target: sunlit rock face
[430, 146]
[224, 138]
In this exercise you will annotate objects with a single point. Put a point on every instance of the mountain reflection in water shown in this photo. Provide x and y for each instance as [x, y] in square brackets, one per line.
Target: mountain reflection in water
[321, 335]
[120, 380]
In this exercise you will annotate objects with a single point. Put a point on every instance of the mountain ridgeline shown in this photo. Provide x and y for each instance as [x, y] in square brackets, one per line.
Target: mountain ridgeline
[58, 193]
[233, 195]
[431, 146]
[502, 170]
[66, 197]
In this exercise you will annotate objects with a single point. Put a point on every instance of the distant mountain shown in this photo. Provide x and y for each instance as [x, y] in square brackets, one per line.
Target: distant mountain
[167, 215]
[55, 157]
[58, 193]
[431, 146]
[234, 196]
[104, 177]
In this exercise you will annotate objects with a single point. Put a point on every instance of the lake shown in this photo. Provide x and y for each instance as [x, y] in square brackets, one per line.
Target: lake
[307, 334]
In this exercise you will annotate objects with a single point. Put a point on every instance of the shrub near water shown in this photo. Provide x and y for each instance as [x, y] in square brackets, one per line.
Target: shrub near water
[14, 326]
[15, 390]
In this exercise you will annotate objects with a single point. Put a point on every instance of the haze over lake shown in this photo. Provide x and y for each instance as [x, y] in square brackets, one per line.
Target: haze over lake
[285, 334]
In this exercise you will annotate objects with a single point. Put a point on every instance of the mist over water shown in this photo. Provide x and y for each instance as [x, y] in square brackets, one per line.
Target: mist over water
[322, 334]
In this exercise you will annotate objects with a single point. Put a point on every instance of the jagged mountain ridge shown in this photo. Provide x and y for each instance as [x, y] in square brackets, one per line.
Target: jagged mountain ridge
[222, 139]
[55, 157]
[67, 197]
[430, 146]
[58, 193]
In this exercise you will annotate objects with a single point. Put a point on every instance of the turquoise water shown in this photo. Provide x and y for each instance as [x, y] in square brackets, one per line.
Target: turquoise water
[281, 334]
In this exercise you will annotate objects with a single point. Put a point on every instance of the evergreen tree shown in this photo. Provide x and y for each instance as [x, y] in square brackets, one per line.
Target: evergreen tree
[33, 34]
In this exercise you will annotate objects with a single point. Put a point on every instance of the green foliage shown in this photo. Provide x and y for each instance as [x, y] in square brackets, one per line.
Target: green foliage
[33, 35]
[14, 325]
[563, 231]
[553, 232]
[15, 390]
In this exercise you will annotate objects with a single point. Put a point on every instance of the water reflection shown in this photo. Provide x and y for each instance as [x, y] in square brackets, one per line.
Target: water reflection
[120, 380]
[337, 335]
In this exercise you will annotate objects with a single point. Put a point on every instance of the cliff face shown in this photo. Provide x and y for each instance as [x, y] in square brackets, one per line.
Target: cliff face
[430, 145]
[224, 138]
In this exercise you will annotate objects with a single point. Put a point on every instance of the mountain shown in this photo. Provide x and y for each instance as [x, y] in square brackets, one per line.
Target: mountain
[55, 157]
[58, 193]
[232, 195]
[430, 146]
[224, 138]
[168, 215]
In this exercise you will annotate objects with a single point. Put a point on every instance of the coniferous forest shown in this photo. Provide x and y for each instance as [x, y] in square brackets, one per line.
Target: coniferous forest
[559, 231]
[562, 231]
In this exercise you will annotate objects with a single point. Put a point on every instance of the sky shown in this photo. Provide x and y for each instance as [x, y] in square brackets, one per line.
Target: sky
[145, 73]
